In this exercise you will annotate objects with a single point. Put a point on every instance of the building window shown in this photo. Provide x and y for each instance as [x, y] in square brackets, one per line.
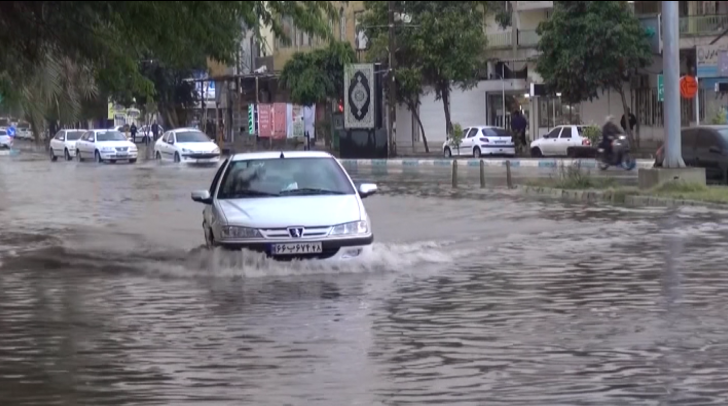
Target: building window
[553, 112]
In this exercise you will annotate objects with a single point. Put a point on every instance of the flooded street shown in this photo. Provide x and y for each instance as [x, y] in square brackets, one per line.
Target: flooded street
[107, 299]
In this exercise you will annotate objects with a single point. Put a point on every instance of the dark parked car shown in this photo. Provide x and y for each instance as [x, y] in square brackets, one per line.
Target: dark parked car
[704, 147]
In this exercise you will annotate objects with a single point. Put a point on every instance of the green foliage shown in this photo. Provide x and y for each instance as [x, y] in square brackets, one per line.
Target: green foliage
[442, 45]
[593, 133]
[720, 117]
[111, 38]
[317, 76]
[588, 46]
[456, 136]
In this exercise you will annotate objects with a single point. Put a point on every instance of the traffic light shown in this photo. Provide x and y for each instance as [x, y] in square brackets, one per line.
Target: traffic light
[252, 119]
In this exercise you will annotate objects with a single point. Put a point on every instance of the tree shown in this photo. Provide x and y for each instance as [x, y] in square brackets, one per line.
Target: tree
[588, 46]
[441, 42]
[317, 76]
[111, 37]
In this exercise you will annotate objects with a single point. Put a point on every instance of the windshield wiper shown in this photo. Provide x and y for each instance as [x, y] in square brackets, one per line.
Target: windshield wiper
[311, 191]
[247, 193]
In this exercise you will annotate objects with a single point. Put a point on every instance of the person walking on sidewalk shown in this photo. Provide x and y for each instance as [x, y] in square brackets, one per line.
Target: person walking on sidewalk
[518, 127]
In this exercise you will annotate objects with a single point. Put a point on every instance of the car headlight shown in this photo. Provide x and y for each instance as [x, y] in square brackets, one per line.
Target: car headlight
[216, 151]
[239, 232]
[353, 228]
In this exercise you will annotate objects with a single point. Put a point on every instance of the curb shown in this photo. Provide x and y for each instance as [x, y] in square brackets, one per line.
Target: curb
[616, 197]
[11, 152]
[515, 163]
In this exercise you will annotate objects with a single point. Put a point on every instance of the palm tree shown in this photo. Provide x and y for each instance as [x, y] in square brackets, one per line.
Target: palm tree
[55, 90]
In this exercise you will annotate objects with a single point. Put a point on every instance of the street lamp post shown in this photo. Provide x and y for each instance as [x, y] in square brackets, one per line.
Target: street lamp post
[671, 68]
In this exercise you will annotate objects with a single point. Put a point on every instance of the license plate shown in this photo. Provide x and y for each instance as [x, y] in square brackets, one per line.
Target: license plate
[121, 154]
[298, 248]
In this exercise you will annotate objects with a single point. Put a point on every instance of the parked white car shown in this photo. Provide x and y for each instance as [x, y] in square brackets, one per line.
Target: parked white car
[481, 140]
[287, 205]
[186, 145]
[23, 132]
[63, 144]
[105, 146]
[6, 141]
[558, 141]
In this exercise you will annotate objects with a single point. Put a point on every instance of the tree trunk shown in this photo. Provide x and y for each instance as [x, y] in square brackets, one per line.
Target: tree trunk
[413, 108]
[445, 92]
[628, 130]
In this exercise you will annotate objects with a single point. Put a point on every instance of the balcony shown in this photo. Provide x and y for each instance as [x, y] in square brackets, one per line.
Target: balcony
[699, 26]
[533, 5]
[503, 40]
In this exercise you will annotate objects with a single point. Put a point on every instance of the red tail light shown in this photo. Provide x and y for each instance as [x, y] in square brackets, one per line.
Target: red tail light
[484, 140]
[585, 142]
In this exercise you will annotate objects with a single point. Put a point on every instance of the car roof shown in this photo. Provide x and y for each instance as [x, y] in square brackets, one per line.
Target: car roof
[483, 126]
[185, 129]
[277, 154]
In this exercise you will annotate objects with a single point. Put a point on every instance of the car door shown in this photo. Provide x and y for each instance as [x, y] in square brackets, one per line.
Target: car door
[90, 145]
[211, 213]
[167, 145]
[81, 145]
[57, 143]
[461, 149]
[566, 139]
[688, 140]
[708, 149]
[548, 145]
[469, 142]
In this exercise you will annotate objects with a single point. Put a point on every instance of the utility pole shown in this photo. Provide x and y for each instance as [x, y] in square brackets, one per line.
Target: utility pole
[671, 69]
[392, 85]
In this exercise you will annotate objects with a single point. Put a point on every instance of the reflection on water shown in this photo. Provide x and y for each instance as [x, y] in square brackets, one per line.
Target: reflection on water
[107, 299]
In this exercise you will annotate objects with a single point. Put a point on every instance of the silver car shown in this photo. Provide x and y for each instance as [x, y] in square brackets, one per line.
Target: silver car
[288, 205]
[6, 141]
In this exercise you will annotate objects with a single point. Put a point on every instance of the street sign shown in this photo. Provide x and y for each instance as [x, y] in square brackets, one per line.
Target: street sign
[660, 89]
[688, 87]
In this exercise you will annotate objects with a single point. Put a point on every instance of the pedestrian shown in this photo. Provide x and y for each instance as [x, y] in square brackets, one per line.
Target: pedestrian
[518, 127]
[155, 130]
[133, 131]
[632, 121]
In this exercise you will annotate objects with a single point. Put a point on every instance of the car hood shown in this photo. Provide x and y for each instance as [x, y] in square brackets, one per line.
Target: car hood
[198, 146]
[115, 144]
[305, 211]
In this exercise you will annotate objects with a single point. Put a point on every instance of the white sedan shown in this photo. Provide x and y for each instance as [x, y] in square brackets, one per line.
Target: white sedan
[481, 140]
[287, 205]
[105, 146]
[6, 141]
[64, 144]
[186, 145]
[559, 141]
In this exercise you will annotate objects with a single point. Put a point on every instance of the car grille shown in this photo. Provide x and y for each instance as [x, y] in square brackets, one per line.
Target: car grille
[122, 149]
[201, 155]
[308, 232]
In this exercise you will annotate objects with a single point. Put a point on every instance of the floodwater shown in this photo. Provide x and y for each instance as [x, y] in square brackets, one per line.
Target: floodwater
[106, 299]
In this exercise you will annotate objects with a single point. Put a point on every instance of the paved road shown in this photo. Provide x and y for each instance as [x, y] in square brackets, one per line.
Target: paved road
[106, 300]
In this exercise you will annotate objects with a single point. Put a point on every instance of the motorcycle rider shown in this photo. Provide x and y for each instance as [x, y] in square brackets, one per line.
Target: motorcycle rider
[610, 130]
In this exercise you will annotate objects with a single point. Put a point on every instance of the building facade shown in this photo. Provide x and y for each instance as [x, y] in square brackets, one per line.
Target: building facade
[512, 53]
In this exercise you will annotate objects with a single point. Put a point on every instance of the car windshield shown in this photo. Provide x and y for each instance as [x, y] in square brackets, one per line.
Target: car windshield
[724, 133]
[192, 136]
[284, 177]
[3, 132]
[110, 136]
[73, 135]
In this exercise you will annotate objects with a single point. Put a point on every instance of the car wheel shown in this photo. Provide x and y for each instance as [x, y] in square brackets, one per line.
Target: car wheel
[67, 154]
[132, 161]
[78, 156]
[158, 156]
[476, 152]
[54, 158]
[536, 152]
[97, 157]
[176, 157]
[447, 152]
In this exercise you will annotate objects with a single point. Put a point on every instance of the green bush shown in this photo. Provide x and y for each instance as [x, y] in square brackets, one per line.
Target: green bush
[593, 133]
[721, 117]
[456, 138]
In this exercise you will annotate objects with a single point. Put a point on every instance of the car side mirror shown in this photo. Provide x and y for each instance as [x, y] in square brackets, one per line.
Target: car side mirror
[367, 189]
[715, 150]
[202, 196]
[170, 142]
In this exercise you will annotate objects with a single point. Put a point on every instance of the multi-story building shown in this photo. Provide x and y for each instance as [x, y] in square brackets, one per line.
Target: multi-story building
[512, 52]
